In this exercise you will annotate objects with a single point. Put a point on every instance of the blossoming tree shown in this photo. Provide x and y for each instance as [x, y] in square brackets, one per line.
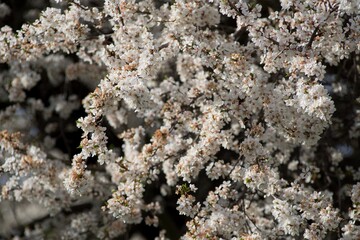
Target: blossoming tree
[203, 119]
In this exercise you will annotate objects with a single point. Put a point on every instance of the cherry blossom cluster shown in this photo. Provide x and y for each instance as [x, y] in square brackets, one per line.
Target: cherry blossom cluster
[241, 116]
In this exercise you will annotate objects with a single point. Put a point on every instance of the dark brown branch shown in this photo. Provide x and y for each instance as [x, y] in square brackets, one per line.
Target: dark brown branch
[313, 36]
